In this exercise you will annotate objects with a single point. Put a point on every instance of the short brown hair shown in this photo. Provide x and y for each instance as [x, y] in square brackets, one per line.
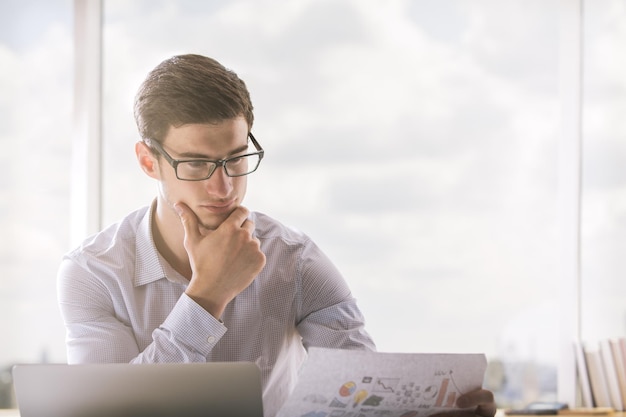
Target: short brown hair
[189, 89]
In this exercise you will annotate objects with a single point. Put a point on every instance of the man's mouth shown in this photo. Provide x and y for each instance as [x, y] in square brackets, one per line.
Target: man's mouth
[219, 207]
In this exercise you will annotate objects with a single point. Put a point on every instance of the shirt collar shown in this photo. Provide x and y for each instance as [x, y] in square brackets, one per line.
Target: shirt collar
[148, 266]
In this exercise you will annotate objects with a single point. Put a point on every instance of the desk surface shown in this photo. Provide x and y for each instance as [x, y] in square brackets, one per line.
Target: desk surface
[500, 413]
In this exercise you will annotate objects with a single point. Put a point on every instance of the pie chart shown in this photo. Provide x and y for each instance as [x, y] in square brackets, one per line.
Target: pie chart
[347, 389]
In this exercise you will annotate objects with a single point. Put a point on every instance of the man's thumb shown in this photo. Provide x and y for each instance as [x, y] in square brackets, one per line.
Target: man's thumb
[187, 218]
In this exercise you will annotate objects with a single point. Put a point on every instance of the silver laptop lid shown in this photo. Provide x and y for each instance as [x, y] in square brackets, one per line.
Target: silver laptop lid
[221, 389]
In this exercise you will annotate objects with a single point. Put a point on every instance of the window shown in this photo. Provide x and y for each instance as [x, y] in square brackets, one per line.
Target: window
[604, 172]
[415, 142]
[35, 138]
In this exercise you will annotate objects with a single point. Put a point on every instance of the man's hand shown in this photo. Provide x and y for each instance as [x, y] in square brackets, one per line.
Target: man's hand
[476, 403]
[224, 262]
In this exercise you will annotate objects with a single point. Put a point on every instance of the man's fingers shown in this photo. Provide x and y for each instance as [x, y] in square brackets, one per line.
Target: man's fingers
[239, 216]
[474, 398]
[482, 399]
[249, 226]
[455, 413]
[486, 410]
[189, 221]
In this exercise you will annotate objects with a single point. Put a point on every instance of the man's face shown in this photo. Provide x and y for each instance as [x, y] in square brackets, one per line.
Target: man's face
[215, 198]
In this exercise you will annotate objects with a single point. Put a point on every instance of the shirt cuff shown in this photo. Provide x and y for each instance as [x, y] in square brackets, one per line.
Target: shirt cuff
[193, 326]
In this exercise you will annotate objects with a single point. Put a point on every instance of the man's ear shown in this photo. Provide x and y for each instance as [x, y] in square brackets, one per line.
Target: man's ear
[147, 160]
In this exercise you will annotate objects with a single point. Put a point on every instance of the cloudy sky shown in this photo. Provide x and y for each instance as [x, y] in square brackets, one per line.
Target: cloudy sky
[420, 155]
[415, 141]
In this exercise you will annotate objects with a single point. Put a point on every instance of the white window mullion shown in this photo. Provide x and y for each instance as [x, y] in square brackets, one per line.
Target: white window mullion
[570, 79]
[86, 168]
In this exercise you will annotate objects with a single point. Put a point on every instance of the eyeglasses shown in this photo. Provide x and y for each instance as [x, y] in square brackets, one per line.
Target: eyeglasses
[202, 169]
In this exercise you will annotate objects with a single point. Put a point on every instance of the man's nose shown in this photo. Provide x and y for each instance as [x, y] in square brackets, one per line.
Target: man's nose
[219, 184]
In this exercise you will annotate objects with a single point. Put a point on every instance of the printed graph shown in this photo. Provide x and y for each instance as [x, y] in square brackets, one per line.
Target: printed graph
[387, 385]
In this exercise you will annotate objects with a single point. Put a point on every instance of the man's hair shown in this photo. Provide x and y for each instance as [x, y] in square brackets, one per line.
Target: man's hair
[189, 89]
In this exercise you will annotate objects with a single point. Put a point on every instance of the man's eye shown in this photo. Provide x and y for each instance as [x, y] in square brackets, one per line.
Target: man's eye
[236, 161]
[196, 164]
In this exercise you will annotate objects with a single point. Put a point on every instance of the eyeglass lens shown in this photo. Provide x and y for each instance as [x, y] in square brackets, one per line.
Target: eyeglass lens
[235, 167]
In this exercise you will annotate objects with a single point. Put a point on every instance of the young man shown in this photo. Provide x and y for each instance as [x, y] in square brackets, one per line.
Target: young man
[195, 276]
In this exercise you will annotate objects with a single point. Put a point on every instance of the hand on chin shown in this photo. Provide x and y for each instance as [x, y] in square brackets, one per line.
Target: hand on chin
[210, 222]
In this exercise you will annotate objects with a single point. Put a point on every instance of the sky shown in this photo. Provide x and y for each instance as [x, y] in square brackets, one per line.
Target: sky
[35, 136]
[415, 141]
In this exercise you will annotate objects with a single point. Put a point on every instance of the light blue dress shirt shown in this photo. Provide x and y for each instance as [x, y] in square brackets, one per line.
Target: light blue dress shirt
[122, 302]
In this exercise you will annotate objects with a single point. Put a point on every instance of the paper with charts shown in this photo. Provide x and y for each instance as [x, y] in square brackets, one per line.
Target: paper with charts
[348, 383]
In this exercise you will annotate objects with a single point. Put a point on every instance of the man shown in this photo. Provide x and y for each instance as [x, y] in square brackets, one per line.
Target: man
[195, 276]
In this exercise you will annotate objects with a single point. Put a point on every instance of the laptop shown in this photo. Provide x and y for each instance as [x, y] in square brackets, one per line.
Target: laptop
[217, 389]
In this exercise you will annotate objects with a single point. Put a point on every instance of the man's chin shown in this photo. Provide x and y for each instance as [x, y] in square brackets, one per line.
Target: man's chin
[213, 222]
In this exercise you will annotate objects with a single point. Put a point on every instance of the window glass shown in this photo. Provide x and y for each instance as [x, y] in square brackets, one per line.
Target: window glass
[35, 137]
[604, 172]
[415, 142]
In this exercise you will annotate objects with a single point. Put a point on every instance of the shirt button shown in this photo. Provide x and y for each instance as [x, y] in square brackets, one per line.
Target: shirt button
[210, 339]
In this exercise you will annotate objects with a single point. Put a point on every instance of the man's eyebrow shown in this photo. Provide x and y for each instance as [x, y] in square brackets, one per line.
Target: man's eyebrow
[195, 155]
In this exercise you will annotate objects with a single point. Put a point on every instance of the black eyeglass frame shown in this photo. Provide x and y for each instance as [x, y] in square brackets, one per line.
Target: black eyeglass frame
[154, 144]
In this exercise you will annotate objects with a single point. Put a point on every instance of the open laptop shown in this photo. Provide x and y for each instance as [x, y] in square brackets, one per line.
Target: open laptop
[219, 389]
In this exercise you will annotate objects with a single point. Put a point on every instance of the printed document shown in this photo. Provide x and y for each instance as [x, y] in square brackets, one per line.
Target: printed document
[348, 383]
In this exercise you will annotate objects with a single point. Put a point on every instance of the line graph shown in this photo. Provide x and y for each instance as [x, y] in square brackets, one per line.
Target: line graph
[386, 385]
